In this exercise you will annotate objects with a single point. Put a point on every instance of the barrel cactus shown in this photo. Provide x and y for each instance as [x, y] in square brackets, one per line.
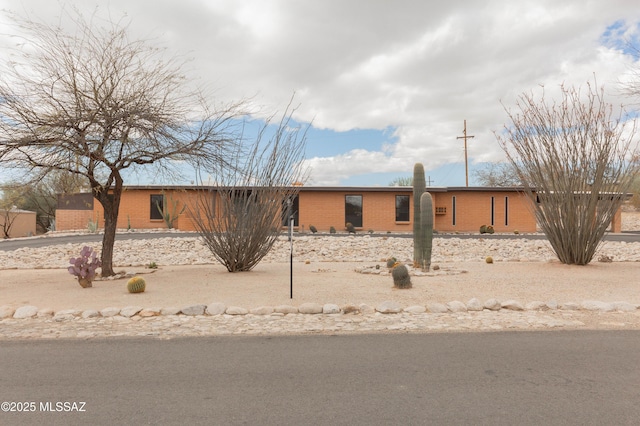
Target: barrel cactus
[136, 285]
[313, 229]
[401, 277]
[483, 229]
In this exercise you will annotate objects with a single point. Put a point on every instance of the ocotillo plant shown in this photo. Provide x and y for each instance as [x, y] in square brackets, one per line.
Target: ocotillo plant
[419, 187]
[426, 231]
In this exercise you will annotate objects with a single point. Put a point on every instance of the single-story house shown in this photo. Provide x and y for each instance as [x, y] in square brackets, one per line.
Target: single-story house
[380, 209]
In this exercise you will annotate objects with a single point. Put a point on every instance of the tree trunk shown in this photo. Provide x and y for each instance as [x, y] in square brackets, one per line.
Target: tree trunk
[111, 205]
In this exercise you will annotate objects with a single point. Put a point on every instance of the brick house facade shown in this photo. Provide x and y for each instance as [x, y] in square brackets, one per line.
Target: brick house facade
[381, 209]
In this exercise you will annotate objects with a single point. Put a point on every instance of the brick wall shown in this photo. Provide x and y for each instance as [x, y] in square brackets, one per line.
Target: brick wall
[326, 208]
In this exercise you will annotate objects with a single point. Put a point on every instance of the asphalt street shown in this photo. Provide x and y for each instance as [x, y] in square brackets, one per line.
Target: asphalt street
[529, 378]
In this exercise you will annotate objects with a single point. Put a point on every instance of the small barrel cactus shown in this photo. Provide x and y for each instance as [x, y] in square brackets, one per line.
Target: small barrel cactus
[490, 229]
[350, 228]
[332, 230]
[136, 285]
[483, 229]
[401, 277]
[313, 229]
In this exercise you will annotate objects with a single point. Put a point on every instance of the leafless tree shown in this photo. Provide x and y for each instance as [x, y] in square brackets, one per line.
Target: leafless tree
[8, 213]
[239, 217]
[42, 197]
[402, 181]
[94, 103]
[497, 174]
[575, 159]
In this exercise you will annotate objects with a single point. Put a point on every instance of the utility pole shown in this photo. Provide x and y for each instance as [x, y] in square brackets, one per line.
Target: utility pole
[466, 164]
[429, 181]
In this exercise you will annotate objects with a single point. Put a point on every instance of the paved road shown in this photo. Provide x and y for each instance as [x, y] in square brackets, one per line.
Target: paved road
[84, 238]
[551, 378]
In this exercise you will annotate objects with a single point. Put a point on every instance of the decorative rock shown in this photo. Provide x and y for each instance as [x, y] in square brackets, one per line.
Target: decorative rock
[366, 309]
[595, 305]
[493, 305]
[570, 306]
[350, 309]
[624, 306]
[194, 310]
[415, 309]
[170, 311]
[149, 312]
[457, 306]
[285, 309]
[536, 305]
[330, 308]
[310, 308]
[262, 310]
[512, 305]
[110, 312]
[216, 309]
[45, 312]
[389, 307]
[236, 310]
[437, 308]
[552, 304]
[6, 311]
[25, 312]
[90, 313]
[130, 311]
[474, 305]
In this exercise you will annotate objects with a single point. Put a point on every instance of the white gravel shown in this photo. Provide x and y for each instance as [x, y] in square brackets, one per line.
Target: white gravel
[359, 248]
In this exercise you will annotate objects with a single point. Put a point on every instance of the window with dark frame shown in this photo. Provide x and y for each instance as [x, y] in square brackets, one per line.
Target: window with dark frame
[453, 209]
[402, 208]
[353, 210]
[493, 210]
[157, 205]
[506, 211]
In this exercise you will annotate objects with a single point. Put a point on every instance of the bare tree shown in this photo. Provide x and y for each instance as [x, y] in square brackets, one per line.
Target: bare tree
[42, 197]
[240, 217]
[94, 103]
[575, 160]
[8, 212]
[402, 181]
[497, 174]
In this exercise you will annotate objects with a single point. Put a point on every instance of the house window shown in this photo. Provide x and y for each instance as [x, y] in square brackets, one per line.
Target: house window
[506, 211]
[493, 210]
[453, 209]
[157, 206]
[293, 213]
[353, 210]
[402, 208]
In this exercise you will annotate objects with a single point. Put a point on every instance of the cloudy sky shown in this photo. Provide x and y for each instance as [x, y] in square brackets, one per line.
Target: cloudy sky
[386, 83]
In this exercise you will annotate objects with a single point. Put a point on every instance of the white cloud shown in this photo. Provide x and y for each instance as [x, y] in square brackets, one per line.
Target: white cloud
[420, 67]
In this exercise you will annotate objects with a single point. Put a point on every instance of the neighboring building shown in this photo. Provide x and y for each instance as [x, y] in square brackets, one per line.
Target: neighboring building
[381, 209]
[21, 223]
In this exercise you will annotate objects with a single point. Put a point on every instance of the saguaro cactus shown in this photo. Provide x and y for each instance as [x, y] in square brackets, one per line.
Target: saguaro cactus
[426, 231]
[419, 187]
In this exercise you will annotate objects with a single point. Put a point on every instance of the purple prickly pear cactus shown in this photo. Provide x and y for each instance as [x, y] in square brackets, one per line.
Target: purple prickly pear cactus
[84, 267]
